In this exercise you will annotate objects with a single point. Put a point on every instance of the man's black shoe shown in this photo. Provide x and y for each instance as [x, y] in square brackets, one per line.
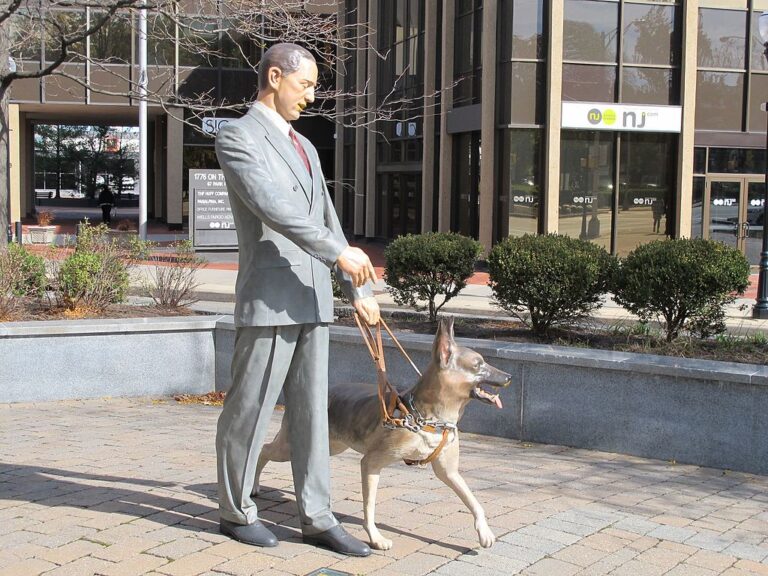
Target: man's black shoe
[255, 534]
[338, 540]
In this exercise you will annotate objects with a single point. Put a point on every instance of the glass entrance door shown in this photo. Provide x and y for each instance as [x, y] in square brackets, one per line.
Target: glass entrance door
[735, 216]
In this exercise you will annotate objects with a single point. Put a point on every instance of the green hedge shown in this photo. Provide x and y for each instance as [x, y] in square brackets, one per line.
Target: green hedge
[685, 283]
[422, 267]
[549, 280]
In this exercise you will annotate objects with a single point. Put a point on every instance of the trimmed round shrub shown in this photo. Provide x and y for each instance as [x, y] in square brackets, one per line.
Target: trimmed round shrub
[686, 283]
[421, 267]
[549, 280]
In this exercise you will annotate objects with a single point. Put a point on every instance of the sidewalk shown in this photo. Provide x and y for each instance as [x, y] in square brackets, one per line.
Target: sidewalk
[117, 487]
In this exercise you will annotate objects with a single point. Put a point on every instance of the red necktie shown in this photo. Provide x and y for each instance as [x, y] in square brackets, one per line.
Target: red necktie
[300, 149]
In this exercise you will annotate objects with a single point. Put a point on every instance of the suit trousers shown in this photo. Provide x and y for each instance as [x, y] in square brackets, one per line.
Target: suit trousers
[267, 359]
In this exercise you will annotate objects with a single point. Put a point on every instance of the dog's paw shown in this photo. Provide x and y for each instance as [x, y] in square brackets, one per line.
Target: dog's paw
[381, 543]
[485, 535]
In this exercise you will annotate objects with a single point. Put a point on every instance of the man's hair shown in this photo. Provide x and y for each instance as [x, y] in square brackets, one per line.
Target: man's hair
[284, 56]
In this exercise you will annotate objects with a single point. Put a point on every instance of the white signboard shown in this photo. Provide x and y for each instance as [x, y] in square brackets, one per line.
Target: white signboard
[211, 124]
[621, 117]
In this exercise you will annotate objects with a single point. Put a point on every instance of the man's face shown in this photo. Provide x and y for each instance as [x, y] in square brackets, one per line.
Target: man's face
[295, 91]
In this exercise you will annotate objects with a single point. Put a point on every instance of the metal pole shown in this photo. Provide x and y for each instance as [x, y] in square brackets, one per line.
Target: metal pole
[760, 310]
[143, 123]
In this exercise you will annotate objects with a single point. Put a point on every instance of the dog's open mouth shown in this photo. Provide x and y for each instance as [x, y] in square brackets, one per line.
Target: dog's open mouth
[479, 394]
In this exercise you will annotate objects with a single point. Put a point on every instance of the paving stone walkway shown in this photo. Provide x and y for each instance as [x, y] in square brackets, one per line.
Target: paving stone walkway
[127, 486]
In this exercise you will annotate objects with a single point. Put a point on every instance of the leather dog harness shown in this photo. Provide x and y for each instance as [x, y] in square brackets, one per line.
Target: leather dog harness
[391, 402]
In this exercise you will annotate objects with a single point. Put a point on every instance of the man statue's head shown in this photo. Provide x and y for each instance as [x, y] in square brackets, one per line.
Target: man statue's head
[287, 79]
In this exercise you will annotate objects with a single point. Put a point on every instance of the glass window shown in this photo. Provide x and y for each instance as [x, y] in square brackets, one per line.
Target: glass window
[161, 34]
[719, 101]
[722, 35]
[590, 31]
[198, 43]
[646, 189]
[697, 207]
[527, 25]
[650, 34]
[759, 61]
[112, 42]
[699, 160]
[521, 181]
[237, 50]
[68, 23]
[758, 94]
[26, 36]
[649, 86]
[737, 160]
[586, 83]
[521, 93]
[586, 185]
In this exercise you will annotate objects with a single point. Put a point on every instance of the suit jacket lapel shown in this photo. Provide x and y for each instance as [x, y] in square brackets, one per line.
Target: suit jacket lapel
[284, 147]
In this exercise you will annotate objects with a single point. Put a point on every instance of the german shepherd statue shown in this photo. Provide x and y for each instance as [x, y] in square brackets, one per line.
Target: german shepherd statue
[454, 376]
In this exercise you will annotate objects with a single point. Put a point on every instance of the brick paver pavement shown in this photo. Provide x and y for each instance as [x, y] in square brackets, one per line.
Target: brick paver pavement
[127, 486]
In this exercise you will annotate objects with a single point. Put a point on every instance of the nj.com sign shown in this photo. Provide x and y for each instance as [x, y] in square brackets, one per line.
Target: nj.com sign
[621, 117]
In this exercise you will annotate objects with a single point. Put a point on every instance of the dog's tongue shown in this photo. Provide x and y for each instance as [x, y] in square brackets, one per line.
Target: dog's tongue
[497, 400]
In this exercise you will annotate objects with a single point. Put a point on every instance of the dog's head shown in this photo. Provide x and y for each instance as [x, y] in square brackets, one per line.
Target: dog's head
[463, 371]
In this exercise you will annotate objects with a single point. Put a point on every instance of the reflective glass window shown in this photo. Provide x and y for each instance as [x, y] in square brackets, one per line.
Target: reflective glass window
[719, 101]
[112, 42]
[590, 31]
[649, 86]
[521, 181]
[582, 82]
[758, 61]
[699, 160]
[737, 160]
[697, 207]
[722, 37]
[68, 24]
[649, 34]
[646, 189]
[758, 94]
[587, 168]
[527, 38]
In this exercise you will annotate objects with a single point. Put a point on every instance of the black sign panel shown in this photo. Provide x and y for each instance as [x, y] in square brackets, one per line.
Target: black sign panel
[212, 223]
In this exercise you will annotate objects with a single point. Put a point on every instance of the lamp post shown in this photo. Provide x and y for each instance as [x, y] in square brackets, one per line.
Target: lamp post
[760, 310]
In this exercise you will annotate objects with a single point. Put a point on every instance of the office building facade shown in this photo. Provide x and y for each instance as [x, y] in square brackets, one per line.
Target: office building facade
[617, 121]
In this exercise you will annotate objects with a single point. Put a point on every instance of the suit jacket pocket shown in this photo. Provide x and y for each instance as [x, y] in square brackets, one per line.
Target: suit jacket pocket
[282, 259]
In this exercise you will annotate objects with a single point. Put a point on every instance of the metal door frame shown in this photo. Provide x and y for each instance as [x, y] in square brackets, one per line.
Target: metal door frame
[743, 180]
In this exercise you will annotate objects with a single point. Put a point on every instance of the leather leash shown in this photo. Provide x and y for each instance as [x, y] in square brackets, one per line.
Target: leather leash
[389, 399]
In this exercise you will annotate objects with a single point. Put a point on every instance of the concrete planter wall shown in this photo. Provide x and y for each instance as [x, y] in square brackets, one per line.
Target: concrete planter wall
[691, 411]
[58, 360]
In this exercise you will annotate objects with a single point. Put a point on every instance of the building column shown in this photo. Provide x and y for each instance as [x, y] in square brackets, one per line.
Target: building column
[14, 160]
[338, 164]
[684, 197]
[360, 132]
[174, 156]
[488, 126]
[428, 125]
[370, 165]
[552, 131]
[157, 192]
[446, 140]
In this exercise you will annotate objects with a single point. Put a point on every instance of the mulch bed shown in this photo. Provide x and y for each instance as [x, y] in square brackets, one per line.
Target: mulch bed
[41, 311]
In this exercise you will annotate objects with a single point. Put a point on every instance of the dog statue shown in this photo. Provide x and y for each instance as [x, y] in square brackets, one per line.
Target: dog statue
[453, 378]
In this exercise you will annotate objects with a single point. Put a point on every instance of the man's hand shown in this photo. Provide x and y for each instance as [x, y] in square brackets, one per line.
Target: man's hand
[368, 309]
[356, 263]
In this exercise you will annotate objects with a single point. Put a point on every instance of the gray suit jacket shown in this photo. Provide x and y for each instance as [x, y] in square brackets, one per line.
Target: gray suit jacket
[288, 234]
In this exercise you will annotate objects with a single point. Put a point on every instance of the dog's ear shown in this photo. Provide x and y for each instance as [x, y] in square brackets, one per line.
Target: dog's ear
[444, 345]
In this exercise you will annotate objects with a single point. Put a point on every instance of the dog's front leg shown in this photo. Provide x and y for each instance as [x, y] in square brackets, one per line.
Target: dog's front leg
[370, 471]
[446, 468]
